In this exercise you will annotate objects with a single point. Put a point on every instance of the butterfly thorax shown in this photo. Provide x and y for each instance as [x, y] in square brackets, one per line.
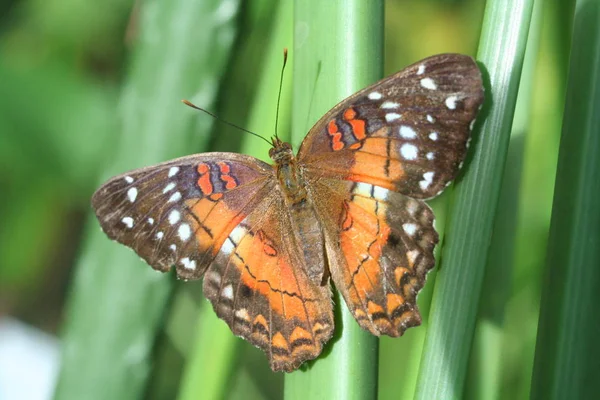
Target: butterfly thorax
[288, 174]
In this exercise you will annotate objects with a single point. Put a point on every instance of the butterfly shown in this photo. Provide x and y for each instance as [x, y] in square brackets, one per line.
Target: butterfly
[348, 209]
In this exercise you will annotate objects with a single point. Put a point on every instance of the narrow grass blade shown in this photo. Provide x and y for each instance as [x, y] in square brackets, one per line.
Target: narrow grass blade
[485, 365]
[117, 301]
[568, 350]
[338, 50]
[458, 284]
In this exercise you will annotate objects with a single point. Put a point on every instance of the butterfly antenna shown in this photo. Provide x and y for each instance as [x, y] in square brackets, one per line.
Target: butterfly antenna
[285, 53]
[190, 104]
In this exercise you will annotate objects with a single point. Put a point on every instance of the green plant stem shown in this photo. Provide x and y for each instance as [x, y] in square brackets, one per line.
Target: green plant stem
[567, 350]
[458, 284]
[117, 303]
[338, 50]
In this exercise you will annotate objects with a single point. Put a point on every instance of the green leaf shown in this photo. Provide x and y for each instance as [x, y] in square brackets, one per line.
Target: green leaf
[568, 350]
[464, 255]
[117, 302]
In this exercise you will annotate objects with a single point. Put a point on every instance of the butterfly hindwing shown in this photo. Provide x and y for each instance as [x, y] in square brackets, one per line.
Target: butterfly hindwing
[380, 248]
[180, 212]
[258, 284]
[408, 132]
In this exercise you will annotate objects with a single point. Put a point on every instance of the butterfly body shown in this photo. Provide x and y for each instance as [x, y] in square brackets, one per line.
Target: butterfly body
[348, 209]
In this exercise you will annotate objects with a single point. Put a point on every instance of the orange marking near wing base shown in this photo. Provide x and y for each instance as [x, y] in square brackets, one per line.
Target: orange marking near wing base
[358, 125]
[336, 136]
[204, 182]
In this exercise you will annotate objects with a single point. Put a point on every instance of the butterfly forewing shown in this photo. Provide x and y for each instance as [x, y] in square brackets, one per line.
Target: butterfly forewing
[179, 213]
[412, 129]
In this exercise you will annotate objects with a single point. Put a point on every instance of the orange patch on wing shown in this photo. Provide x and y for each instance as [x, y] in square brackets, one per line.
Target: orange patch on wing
[358, 125]
[393, 301]
[204, 182]
[374, 308]
[279, 341]
[363, 243]
[399, 273]
[214, 216]
[372, 169]
[270, 276]
[336, 136]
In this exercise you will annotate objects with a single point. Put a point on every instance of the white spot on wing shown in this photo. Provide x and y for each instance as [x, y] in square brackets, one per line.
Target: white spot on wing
[409, 151]
[238, 233]
[242, 314]
[374, 96]
[411, 208]
[407, 132]
[233, 239]
[389, 117]
[159, 235]
[451, 102]
[389, 104]
[421, 69]
[363, 189]
[228, 246]
[174, 217]
[184, 232]
[188, 264]
[173, 171]
[227, 292]
[175, 197]
[169, 187]
[132, 194]
[128, 179]
[128, 221]
[428, 83]
[430, 118]
[430, 156]
[151, 221]
[433, 136]
[427, 180]
[380, 193]
[409, 228]
[173, 247]
[412, 256]
[471, 125]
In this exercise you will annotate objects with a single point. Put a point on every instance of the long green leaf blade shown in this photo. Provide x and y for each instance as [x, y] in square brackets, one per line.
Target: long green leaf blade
[117, 301]
[458, 284]
[567, 349]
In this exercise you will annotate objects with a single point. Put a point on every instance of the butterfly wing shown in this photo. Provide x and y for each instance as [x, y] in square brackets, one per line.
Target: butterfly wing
[407, 133]
[179, 213]
[379, 247]
[259, 286]
[222, 215]
[369, 162]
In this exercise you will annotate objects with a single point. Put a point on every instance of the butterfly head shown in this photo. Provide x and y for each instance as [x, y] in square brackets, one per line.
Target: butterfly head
[281, 152]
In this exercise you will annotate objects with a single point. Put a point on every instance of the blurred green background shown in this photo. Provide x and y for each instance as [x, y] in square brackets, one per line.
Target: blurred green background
[72, 79]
